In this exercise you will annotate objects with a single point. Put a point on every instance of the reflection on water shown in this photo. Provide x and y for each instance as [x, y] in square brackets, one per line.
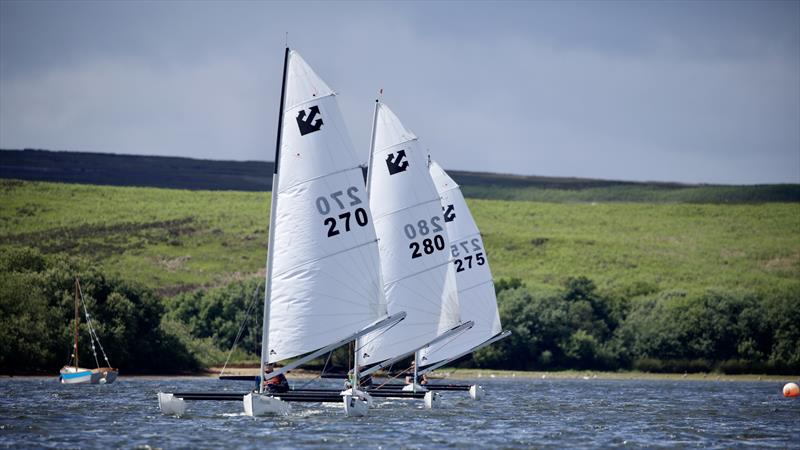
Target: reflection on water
[515, 413]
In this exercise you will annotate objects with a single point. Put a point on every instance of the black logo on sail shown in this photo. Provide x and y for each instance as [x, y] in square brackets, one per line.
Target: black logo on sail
[396, 163]
[449, 213]
[305, 123]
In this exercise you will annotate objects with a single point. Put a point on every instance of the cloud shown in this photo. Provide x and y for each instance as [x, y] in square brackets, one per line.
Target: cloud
[697, 92]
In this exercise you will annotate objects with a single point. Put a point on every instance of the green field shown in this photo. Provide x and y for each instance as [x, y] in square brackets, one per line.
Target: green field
[654, 286]
[177, 240]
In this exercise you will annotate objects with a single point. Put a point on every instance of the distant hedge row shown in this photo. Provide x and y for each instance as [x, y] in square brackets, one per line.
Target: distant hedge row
[726, 331]
[576, 328]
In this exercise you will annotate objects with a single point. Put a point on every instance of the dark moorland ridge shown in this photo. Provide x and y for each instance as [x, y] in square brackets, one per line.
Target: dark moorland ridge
[199, 174]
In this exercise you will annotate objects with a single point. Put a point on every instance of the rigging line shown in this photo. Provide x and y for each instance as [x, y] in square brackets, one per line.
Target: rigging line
[366, 266]
[247, 315]
[417, 273]
[358, 349]
[346, 326]
[91, 329]
[423, 202]
[330, 353]
[476, 285]
[434, 295]
[402, 143]
[477, 233]
[305, 102]
[346, 285]
[399, 374]
[305, 263]
[446, 342]
[300, 183]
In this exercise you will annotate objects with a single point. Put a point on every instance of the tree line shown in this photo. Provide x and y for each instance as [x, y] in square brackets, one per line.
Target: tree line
[578, 327]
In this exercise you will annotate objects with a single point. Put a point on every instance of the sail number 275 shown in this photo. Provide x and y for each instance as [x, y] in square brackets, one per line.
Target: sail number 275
[465, 252]
[341, 202]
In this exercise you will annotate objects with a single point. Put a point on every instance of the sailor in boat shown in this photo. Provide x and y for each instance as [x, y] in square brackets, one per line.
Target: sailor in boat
[363, 381]
[278, 384]
[422, 380]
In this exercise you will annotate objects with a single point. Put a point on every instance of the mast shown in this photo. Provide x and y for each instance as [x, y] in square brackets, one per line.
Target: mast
[372, 144]
[416, 371]
[271, 241]
[77, 317]
[369, 179]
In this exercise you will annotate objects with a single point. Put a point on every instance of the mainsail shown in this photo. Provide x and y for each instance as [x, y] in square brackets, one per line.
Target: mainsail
[323, 280]
[474, 279]
[414, 256]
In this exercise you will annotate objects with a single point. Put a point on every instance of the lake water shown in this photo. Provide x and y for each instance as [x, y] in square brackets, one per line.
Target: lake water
[516, 413]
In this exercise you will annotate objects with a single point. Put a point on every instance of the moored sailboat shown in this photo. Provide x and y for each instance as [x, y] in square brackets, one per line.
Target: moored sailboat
[72, 373]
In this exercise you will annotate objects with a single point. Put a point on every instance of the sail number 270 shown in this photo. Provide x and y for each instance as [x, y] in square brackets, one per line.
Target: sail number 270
[325, 206]
[425, 245]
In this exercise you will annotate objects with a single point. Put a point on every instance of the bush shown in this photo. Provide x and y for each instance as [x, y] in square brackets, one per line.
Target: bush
[37, 296]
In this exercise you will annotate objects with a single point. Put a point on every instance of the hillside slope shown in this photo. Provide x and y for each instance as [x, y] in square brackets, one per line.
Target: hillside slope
[195, 174]
[176, 240]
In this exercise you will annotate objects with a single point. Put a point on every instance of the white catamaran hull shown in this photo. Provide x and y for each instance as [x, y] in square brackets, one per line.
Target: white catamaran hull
[256, 405]
[433, 400]
[356, 403]
[476, 392]
[171, 405]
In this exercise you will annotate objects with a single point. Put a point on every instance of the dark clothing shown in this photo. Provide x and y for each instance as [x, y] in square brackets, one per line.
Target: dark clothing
[365, 381]
[277, 384]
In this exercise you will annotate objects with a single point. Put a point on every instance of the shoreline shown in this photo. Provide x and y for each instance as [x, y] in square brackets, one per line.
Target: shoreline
[474, 374]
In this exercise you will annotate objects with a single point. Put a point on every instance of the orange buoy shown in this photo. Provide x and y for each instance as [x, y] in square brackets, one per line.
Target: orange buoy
[791, 390]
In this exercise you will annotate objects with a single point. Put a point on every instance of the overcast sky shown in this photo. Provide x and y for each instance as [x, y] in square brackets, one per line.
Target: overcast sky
[672, 91]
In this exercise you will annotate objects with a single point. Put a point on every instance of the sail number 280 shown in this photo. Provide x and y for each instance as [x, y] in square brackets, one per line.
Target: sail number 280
[425, 245]
[341, 201]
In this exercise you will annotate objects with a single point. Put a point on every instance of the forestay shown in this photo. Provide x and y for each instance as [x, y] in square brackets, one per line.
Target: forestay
[414, 257]
[325, 280]
[476, 294]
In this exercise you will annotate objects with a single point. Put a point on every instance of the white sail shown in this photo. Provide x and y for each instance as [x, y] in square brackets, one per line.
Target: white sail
[325, 280]
[414, 256]
[476, 295]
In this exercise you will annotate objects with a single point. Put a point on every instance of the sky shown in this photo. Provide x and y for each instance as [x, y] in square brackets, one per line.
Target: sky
[686, 91]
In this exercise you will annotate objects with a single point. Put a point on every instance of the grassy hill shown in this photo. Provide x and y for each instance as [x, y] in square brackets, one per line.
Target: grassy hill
[195, 174]
[177, 240]
[617, 275]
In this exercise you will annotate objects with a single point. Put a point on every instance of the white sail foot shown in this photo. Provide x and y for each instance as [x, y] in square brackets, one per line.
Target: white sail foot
[414, 388]
[433, 400]
[256, 405]
[476, 392]
[170, 405]
[356, 403]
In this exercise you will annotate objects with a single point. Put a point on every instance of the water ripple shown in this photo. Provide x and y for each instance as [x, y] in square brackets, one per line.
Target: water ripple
[518, 413]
